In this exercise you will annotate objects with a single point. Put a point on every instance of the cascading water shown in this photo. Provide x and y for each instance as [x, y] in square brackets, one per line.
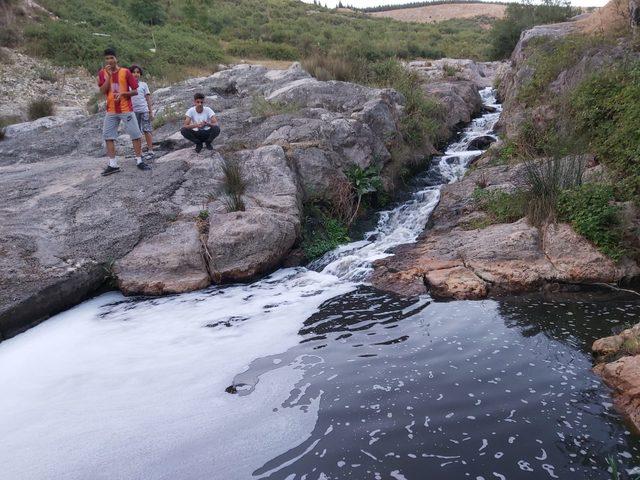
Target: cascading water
[404, 223]
[333, 379]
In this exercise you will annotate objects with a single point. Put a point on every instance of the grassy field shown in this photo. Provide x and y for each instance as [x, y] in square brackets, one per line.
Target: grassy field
[171, 36]
[444, 11]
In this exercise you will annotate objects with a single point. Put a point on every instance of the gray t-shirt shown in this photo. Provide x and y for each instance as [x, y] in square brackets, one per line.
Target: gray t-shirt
[203, 116]
[140, 100]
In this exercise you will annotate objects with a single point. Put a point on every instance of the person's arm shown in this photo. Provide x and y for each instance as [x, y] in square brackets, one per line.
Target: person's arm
[132, 83]
[188, 123]
[148, 98]
[104, 80]
[212, 120]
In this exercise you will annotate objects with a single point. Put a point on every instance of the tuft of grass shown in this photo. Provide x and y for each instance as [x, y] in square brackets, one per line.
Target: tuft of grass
[203, 214]
[325, 67]
[40, 107]
[501, 206]
[546, 180]
[263, 108]
[234, 187]
[169, 114]
[590, 210]
[47, 74]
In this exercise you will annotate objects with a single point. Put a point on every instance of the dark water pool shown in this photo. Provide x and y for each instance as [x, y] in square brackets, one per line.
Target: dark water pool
[483, 390]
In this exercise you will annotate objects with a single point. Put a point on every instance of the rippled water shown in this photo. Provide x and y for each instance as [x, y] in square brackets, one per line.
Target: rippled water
[314, 375]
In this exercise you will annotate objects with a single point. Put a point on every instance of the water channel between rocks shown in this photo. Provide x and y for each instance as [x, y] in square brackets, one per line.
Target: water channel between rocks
[332, 379]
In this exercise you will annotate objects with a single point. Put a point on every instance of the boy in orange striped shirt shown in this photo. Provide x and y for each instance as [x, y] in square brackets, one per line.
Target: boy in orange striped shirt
[119, 85]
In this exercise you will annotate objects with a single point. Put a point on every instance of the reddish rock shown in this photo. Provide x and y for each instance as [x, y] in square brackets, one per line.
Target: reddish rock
[623, 376]
[457, 282]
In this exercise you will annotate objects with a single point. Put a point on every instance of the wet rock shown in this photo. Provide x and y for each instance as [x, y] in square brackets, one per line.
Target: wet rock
[623, 376]
[481, 143]
[169, 262]
[609, 347]
[457, 282]
[460, 99]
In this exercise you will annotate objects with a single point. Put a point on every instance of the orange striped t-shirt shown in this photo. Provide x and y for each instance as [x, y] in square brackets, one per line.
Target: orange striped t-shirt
[121, 81]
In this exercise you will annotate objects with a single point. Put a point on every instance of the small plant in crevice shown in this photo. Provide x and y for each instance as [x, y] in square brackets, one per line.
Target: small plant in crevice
[233, 186]
[363, 182]
[40, 107]
[203, 214]
[109, 276]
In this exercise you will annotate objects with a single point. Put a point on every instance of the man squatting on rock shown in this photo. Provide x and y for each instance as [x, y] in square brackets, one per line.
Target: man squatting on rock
[200, 124]
[119, 85]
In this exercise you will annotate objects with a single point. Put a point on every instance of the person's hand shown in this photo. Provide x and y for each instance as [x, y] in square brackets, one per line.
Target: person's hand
[108, 69]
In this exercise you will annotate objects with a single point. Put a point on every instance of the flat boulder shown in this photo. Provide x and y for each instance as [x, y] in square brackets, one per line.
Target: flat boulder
[243, 245]
[169, 262]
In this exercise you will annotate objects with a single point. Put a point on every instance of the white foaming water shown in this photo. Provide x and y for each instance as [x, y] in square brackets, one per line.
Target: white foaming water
[124, 389]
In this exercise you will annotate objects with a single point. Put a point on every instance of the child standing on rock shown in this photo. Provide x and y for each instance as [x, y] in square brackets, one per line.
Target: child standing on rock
[143, 109]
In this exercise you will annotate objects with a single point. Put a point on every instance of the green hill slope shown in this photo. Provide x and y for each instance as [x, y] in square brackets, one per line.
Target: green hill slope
[170, 36]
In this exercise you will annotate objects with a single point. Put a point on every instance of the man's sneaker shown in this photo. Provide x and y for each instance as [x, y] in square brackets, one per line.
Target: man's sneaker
[148, 155]
[208, 145]
[143, 166]
[109, 170]
[198, 147]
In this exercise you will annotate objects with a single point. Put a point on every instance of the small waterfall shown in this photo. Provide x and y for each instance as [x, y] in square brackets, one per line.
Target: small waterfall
[405, 222]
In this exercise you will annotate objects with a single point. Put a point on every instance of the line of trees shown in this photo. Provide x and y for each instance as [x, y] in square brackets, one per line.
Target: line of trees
[384, 8]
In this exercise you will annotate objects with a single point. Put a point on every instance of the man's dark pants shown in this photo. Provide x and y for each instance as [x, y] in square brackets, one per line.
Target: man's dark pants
[201, 136]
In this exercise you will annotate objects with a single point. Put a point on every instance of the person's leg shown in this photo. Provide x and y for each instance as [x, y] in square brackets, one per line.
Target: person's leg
[110, 133]
[132, 129]
[212, 133]
[189, 134]
[149, 139]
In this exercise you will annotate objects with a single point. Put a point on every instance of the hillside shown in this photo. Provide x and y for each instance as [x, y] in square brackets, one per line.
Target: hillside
[443, 12]
[172, 38]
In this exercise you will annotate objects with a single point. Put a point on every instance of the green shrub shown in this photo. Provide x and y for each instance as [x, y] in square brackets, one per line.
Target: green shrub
[260, 49]
[502, 207]
[590, 211]
[322, 233]
[505, 32]
[150, 12]
[606, 113]
[40, 107]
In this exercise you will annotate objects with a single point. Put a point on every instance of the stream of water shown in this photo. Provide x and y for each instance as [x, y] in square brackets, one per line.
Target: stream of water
[311, 374]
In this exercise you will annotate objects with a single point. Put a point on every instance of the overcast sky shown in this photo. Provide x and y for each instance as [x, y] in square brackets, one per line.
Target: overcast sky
[375, 3]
